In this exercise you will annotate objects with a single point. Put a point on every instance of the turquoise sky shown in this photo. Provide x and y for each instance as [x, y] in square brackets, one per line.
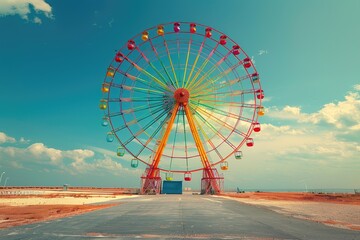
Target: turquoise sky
[54, 56]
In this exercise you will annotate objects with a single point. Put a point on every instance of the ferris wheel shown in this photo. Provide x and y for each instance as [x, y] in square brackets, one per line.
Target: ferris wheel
[181, 97]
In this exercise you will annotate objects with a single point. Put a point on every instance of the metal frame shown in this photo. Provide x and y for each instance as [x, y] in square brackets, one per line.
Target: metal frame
[142, 89]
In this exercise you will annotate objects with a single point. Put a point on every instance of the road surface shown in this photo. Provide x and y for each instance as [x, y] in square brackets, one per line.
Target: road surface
[179, 217]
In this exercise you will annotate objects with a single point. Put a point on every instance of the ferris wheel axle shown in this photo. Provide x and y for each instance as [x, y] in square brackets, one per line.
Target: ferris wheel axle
[181, 96]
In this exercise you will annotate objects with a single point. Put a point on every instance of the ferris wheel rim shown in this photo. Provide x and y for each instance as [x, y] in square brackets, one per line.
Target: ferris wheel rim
[248, 133]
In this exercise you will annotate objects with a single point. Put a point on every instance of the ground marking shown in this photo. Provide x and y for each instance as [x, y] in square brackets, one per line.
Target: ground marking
[211, 200]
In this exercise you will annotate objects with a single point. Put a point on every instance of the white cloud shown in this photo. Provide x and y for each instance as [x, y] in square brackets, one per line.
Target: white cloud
[40, 151]
[287, 113]
[23, 140]
[322, 148]
[99, 164]
[357, 87]
[6, 139]
[268, 130]
[37, 20]
[262, 51]
[103, 151]
[78, 155]
[292, 110]
[23, 8]
[355, 127]
[306, 138]
[343, 115]
[72, 161]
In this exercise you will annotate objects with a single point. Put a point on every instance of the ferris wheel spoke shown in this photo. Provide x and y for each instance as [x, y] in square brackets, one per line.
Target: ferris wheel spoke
[135, 109]
[210, 115]
[215, 130]
[208, 73]
[152, 136]
[185, 140]
[159, 73]
[219, 103]
[161, 63]
[134, 121]
[218, 110]
[221, 122]
[147, 83]
[142, 107]
[137, 99]
[174, 140]
[138, 89]
[158, 117]
[205, 82]
[140, 80]
[224, 74]
[135, 78]
[203, 65]
[195, 63]
[176, 84]
[152, 66]
[207, 138]
[156, 80]
[152, 77]
[222, 85]
[186, 62]
[207, 94]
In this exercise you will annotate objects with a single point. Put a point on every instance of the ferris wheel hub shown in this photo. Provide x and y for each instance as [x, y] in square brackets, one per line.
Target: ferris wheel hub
[181, 95]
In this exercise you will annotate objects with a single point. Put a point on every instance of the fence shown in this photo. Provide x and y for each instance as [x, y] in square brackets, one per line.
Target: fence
[17, 193]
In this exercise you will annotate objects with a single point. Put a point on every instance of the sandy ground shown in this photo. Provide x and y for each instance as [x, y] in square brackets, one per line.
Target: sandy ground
[24, 206]
[338, 210]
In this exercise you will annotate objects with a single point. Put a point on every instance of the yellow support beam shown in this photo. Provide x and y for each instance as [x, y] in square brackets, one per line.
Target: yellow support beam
[200, 148]
[163, 142]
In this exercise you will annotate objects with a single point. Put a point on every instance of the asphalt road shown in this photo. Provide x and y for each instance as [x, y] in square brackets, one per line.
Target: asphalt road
[179, 217]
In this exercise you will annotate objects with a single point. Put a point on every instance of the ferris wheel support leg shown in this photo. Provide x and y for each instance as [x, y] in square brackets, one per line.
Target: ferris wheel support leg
[211, 182]
[151, 180]
[150, 185]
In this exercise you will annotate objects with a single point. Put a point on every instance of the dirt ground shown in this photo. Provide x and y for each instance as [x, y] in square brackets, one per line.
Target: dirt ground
[340, 198]
[337, 210]
[25, 206]
[11, 216]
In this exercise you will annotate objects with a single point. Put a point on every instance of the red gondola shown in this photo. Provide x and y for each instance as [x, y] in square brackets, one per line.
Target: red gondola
[131, 45]
[208, 32]
[257, 127]
[223, 39]
[176, 27]
[249, 142]
[192, 27]
[260, 94]
[247, 62]
[118, 57]
[236, 49]
[187, 176]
